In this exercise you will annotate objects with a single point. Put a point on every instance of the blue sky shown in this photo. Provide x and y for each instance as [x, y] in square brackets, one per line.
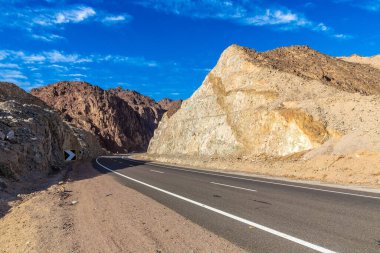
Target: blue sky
[165, 48]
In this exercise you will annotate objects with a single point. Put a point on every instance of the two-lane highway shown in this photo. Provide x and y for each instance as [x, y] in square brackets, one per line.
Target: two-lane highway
[259, 215]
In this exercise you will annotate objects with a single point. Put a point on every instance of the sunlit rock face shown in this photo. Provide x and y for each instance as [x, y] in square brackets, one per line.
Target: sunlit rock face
[275, 104]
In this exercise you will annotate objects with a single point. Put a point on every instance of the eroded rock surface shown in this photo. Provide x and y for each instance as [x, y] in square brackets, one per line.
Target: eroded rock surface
[278, 103]
[149, 111]
[171, 106]
[33, 136]
[117, 125]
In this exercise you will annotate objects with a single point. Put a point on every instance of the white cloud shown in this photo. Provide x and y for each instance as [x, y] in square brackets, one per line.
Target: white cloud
[47, 37]
[13, 76]
[53, 56]
[56, 56]
[76, 75]
[9, 66]
[58, 67]
[342, 36]
[43, 23]
[116, 19]
[321, 27]
[74, 15]
[136, 61]
[369, 5]
[275, 17]
[254, 13]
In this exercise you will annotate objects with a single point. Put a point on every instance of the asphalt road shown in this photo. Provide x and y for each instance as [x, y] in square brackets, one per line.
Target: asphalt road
[259, 215]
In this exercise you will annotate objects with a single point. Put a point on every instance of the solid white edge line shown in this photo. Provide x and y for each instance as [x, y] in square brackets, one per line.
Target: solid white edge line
[157, 171]
[234, 217]
[267, 182]
[231, 186]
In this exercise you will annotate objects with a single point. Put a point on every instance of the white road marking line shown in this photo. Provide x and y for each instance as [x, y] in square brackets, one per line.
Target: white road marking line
[234, 187]
[250, 223]
[267, 182]
[157, 171]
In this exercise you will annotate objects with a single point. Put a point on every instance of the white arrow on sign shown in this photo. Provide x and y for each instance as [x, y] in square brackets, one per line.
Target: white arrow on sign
[71, 155]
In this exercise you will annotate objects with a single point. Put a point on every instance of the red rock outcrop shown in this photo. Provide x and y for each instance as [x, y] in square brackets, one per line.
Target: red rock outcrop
[149, 111]
[171, 106]
[118, 126]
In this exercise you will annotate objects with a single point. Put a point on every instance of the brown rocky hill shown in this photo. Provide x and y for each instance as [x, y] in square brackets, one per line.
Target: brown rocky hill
[118, 126]
[33, 136]
[287, 101]
[373, 61]
[149, 111]
[171, 106]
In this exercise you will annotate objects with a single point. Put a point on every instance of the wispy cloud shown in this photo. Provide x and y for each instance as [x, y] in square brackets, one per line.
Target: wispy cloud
[343, 36]
[76, 75]
[43, 23]
[47, 37]
[369, 5]
[24, 68]
[116, 19]
[252, 13]
[136, 61]
[53, 56]
[13, 76]
[9, 66]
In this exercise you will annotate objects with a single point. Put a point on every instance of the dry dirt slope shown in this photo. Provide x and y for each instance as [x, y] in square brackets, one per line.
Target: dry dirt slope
[108, 217]
[287, 102]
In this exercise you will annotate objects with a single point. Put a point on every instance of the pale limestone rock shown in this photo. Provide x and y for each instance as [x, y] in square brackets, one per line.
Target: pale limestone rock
[373, 61]
[247, 107]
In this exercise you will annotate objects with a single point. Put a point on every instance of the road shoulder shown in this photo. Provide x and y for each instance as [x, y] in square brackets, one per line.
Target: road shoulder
[93, 212]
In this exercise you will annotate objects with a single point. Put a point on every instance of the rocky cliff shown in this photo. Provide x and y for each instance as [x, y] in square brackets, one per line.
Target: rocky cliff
[149, 111]
[33, 136]
[171, 106]
[291, 100]
[117, 125]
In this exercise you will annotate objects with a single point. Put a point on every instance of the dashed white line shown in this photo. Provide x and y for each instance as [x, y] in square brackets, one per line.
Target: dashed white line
[267, 182]
[157, 171]
[231, 186]
[229, 215]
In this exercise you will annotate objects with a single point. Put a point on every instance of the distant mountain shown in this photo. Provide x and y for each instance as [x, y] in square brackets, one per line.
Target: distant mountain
[117, 125]
[171, 106]
[149, 111]
[123, 120]
[373, 61]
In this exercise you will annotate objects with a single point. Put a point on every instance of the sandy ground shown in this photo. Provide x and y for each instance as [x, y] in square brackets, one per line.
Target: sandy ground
[108, 217]
[358, 169]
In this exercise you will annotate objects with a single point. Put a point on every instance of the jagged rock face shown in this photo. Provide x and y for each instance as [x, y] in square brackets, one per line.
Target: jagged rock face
[276, 103]
[32, 135]
[171, 106]
[117, 125]
[149, 111]
[165, 103]
[373, 61]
